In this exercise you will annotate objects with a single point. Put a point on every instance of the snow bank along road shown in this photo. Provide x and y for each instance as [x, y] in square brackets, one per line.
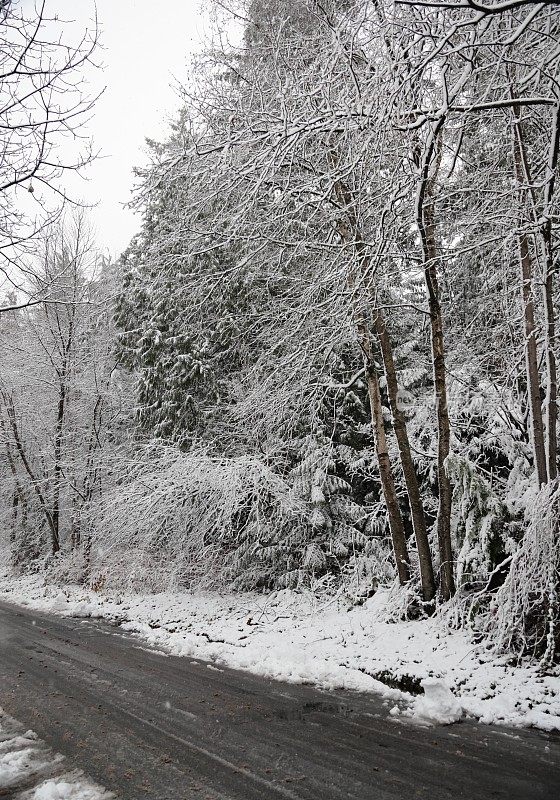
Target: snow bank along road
[147, 725]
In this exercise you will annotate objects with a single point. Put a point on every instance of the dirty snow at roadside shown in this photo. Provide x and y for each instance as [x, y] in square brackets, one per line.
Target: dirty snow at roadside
[29, 770]
[294, 637]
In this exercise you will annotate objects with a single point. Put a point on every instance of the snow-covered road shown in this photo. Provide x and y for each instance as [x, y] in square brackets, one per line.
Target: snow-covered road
[150, 725]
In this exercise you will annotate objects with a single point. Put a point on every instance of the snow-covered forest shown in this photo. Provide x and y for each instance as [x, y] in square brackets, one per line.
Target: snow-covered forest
[327, 362]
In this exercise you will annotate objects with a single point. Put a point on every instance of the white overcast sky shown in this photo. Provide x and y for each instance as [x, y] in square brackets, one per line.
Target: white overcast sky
[146, 46]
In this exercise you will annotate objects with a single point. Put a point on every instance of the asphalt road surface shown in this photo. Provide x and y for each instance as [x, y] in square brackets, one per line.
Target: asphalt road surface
[148, 725]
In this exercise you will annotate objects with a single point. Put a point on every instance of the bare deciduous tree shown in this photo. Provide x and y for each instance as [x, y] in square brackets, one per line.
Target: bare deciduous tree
[43, 102]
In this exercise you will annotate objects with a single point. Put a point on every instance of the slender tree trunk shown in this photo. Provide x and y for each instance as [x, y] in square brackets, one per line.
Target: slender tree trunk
[551, 371]
[425, 217]
[75, 524]
[527, 299]
[531, 360]
[57, 470]
[550, 323]
[17, 495]
[409, 470]
[351, 233]
[27, 466]
[396, 524]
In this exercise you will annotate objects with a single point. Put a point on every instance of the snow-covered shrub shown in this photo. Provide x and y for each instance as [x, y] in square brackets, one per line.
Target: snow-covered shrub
[332, 535]
[369, 567]
[318, 541]
[185, 518]
[68, 566]
[524, 617]
[179, 517]
[481, 524]
[334, 520]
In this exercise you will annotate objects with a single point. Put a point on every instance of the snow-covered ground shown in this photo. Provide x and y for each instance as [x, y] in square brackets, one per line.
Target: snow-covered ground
[29, 770]
[297, 638]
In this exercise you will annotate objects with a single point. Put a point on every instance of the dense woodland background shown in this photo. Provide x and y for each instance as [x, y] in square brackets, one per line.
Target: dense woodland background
[328, 358]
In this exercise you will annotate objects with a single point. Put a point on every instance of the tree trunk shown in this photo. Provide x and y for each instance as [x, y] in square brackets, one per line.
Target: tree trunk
[396, 524]
[425, 217]
[546, 236]
[17, 495]
[57, 470]
[409, 470]
[527, 299]
[350, 232]
[551, 372]
[26, 465]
